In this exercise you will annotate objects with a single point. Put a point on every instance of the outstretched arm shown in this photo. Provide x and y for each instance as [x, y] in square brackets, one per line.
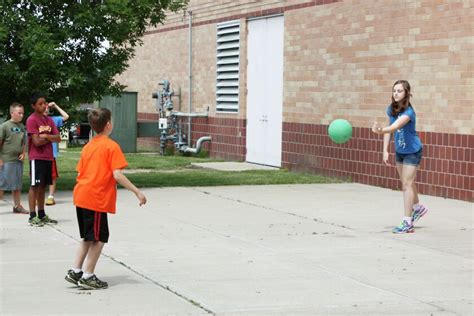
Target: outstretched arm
[123, 180]
[399, 123]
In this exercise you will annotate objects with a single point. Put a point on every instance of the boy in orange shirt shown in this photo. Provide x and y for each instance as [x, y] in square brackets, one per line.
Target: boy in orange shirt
[99, 169]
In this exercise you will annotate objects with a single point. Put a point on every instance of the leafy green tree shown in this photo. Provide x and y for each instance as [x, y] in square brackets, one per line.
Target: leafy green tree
[71, 50]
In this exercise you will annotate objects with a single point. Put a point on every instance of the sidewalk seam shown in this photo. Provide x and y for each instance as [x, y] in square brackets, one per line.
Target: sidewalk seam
[165, 287]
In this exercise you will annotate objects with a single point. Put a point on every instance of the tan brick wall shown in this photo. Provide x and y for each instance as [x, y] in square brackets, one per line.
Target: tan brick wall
[165, 56]
[205, 10]
[162, 56]
[342, 59]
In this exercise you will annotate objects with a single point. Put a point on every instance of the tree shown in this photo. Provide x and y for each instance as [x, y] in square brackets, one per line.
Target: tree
[71, 50]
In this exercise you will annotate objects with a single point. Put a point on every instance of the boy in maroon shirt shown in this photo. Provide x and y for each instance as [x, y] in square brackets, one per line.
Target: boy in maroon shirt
[41, 133]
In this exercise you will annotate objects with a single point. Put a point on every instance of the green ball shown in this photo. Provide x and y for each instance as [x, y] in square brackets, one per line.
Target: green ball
[340, 131]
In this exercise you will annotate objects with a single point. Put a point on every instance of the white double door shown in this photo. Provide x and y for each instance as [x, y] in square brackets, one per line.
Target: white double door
[265, 90]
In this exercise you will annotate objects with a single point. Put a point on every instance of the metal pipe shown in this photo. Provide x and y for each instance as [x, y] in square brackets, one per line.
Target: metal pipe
[198, 145]
[192, 114]
[190, 73]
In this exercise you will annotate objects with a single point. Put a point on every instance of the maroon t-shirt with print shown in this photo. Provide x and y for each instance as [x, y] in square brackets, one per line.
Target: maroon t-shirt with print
[40, 124]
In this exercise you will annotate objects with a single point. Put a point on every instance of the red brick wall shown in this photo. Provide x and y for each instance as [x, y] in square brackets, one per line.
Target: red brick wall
[227, 134]
[446, 170]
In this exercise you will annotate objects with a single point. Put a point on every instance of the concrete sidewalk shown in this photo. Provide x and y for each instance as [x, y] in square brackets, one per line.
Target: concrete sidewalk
[232, 166]
[248, 250]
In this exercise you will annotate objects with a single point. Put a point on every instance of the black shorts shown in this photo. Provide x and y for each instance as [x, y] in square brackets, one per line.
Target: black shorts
[93, 226]
[41, 173]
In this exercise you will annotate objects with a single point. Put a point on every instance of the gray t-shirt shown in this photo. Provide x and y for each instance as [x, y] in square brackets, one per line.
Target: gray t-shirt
[12, 136]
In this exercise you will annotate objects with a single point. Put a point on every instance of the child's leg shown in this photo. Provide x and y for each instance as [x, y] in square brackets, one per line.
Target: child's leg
[16, 197]
[93, 256]
[94, 228]
[400, 172]
[52, 188]
[89, 280]
[416, 200]
[409, 192]
[36, 199]
[32, 199]
[81, 254]
[40, 197]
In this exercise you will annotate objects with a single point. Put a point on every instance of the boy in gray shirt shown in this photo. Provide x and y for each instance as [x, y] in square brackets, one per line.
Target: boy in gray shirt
[12, 153]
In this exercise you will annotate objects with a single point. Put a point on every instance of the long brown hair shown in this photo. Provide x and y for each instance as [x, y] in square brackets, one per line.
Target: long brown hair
[402, 105]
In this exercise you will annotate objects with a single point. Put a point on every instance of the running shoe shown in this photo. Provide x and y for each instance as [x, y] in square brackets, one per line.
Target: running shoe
[50, 200]
[73, 277]
[47, 220]
[35, 221]
[403, 228]
[92, 283]
[418, 213]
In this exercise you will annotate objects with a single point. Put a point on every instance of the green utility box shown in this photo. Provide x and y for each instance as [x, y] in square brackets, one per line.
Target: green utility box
[124, 118]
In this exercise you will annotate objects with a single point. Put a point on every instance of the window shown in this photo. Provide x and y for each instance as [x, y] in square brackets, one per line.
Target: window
[227, 89]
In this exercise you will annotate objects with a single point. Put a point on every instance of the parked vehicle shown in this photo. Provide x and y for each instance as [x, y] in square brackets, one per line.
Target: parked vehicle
[80, 131]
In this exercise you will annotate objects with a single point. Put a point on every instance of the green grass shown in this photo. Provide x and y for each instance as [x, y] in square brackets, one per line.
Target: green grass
[204, 177]
[68, 160]
[176, 171]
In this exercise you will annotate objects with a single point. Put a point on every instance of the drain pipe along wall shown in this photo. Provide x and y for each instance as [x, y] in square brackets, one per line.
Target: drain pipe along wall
[190, 74]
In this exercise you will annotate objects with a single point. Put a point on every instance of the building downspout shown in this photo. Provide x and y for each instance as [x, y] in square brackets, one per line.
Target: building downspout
[190, 74]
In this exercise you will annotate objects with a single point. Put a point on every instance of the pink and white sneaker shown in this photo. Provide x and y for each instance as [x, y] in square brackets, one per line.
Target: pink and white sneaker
[418, 212]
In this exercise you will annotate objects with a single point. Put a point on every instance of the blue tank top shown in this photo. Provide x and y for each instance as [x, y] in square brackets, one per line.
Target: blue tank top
[407, 140]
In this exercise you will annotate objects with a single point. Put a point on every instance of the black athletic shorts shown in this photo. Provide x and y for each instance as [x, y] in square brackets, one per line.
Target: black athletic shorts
[41, 172]
[93, 226]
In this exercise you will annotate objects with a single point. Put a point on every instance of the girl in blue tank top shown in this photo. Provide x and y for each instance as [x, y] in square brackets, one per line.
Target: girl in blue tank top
[408, 151]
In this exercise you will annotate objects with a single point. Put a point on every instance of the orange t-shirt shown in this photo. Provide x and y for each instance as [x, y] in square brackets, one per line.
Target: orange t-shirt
[96, 188]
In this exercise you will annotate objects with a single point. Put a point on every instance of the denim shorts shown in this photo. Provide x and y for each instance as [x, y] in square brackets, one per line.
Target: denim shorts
[409, 159]
[11, 174]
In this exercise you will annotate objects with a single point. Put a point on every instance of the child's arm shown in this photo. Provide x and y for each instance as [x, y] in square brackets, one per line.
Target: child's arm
[386, 138]
[399, 123]
[42, 139]
[1, 148]
[21, 157]
[123, 180]
[1, 145]
[386, 141]
[61, 111]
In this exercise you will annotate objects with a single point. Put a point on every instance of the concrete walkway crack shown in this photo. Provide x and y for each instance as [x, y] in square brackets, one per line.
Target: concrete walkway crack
[328, 270]
[326, 223]
[142, 275]
[276, 210]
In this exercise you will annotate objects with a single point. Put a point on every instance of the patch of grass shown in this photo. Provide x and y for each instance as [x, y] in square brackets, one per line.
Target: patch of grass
[204, 177]
[157, 162]
[175, 171]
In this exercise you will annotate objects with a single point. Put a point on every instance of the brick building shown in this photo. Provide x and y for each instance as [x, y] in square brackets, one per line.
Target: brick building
[274, 74]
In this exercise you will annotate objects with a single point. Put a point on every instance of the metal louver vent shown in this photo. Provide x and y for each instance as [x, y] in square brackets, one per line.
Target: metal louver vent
[227, 89]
